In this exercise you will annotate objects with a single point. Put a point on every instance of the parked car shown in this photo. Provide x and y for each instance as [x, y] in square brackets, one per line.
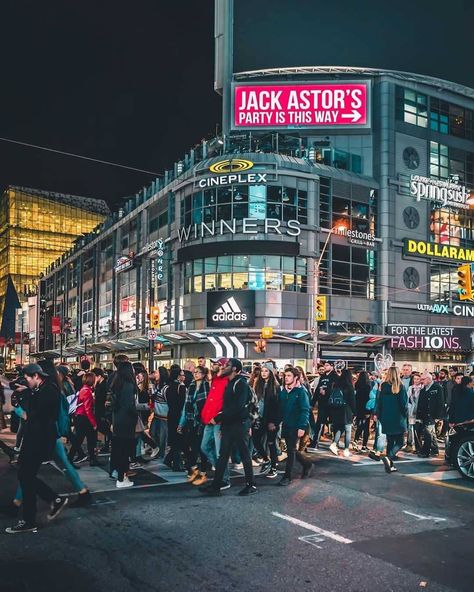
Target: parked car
[459, 450]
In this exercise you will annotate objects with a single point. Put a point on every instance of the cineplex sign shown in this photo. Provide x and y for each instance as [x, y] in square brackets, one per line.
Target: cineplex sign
[303, 105]
[425, 337]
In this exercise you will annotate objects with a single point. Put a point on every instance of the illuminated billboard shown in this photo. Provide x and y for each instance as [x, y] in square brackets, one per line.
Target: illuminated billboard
[298, 106]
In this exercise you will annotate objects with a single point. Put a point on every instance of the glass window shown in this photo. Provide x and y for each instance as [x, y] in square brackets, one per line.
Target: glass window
[411, 107]
[257, 202]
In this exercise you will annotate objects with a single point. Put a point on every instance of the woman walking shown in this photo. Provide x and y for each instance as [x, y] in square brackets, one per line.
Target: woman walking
[85, 422]
[342, 406]
[176, 395]
[392, 412]
[265, 429]
[124, 421]
[192, 428]
[363, 387]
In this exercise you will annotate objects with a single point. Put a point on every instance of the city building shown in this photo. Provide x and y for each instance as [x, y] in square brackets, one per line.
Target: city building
[350, 183]
[37, 227]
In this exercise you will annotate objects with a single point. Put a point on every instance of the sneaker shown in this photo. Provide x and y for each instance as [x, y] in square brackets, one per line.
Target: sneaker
[104, 451]
[333, 448]
[82, 500]
[81, 459]
[249, 489]
[364, 449]
[225, 486]
[21, 526]
[255, 463]
[125, 483]
[136, 465]
[201, 479]
[374, 455]
[265, 467]
[282, 456]
[57, 507]
[272, 474]
[387, 464]
[393, 469]
[347, 452]
[237, 466]
[285, 481]
[155, 452]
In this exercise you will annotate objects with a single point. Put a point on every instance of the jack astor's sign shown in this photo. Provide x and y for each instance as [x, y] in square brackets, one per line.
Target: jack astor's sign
[424, 249]
[245, 226]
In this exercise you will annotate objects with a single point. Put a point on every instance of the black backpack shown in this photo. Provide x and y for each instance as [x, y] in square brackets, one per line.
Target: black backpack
[336, 398]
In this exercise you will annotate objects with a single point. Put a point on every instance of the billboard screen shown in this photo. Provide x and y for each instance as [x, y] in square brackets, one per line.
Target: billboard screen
[308, 105]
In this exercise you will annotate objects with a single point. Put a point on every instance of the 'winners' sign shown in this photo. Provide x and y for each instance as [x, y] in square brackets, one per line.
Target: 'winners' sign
[302, 105]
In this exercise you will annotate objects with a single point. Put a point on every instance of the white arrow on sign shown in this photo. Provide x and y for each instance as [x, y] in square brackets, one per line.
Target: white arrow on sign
[355, 116]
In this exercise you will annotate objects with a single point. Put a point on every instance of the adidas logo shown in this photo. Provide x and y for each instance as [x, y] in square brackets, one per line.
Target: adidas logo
[229, 311]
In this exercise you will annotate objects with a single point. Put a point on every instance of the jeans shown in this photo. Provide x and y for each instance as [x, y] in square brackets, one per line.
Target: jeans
[291, 438]
[211, 446]
[236, 434]
[347, 434]
[192, 439]
[264, 439]
[60, 457]
[32, 486]
[84, 429]
[159, 433]
[121, 448]
[430, 444]
[363, 424]
[394, 443]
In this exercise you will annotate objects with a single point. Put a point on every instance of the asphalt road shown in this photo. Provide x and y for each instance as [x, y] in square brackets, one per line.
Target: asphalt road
[350, 527]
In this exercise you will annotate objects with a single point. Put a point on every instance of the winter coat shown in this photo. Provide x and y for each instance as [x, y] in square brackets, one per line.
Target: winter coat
[271, 405]
[85, 405]
[325, 384]
[194, 402]
[237, 396]
[175, 395]
[430, 403]
[362, 396]
[343, 415]
[294, 408]
[392, 410]
[40, 433]
[215, 399]
[125, 415]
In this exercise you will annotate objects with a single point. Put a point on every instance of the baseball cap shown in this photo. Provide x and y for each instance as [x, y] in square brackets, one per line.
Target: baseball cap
[235, 363]
[220, 361]
[31, 369]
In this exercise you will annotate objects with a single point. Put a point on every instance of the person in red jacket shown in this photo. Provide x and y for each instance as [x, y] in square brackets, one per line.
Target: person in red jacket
[211, 439]
[85, 423]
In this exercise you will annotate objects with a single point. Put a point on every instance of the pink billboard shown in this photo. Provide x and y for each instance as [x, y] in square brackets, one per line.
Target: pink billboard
[302, 105]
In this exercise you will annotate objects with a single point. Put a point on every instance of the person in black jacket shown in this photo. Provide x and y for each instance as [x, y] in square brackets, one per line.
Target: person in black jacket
[321, 395]
[362, 391]
[462, 402]
[176, 395]
[430, 408]
[102, 414]
[124, 421]
[341, 411]
[235, 420]
[265, 428]
[39, 441]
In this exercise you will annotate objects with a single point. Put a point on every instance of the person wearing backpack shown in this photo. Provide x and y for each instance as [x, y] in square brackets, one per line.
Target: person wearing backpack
[235, 419]
[342, 406]
[392, 411]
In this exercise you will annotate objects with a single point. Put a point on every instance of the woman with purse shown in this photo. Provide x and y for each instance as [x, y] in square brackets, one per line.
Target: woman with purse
[192, 428]
[391, 411]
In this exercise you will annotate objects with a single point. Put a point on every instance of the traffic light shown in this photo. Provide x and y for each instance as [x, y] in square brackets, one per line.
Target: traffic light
[267, 333]
[465, 282]
[260, 346]
[154, 317]
[321, 308]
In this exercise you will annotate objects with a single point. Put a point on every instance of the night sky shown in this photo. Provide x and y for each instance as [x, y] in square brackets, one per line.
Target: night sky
[132, 82]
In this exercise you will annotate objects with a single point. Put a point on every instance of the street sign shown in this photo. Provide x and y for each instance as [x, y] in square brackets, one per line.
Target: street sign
[152, 335]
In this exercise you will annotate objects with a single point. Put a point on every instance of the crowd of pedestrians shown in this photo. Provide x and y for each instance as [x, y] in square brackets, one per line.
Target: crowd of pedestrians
[206, 421]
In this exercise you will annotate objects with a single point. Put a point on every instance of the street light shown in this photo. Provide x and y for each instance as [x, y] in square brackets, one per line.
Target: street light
[339, 228]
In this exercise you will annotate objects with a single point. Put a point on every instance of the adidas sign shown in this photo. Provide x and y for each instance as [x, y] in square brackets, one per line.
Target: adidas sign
[229, 311]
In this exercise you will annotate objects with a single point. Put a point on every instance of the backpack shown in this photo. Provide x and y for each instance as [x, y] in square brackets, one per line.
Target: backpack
[336, 398]
[64, 423]
[252, 401]
[161, 406]
[72, 402]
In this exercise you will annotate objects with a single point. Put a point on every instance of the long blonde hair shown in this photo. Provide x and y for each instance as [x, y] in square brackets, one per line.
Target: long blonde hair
[393, 378]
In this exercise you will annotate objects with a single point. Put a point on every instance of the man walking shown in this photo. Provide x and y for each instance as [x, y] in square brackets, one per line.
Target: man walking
[321, 395]
[235, 419]
[430, 408]
[38, 445]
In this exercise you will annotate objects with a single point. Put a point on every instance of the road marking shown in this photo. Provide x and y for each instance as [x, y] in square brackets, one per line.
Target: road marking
[316, 529]
[375, 463]
[440, 483]
[421, 517]
[312, 539]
